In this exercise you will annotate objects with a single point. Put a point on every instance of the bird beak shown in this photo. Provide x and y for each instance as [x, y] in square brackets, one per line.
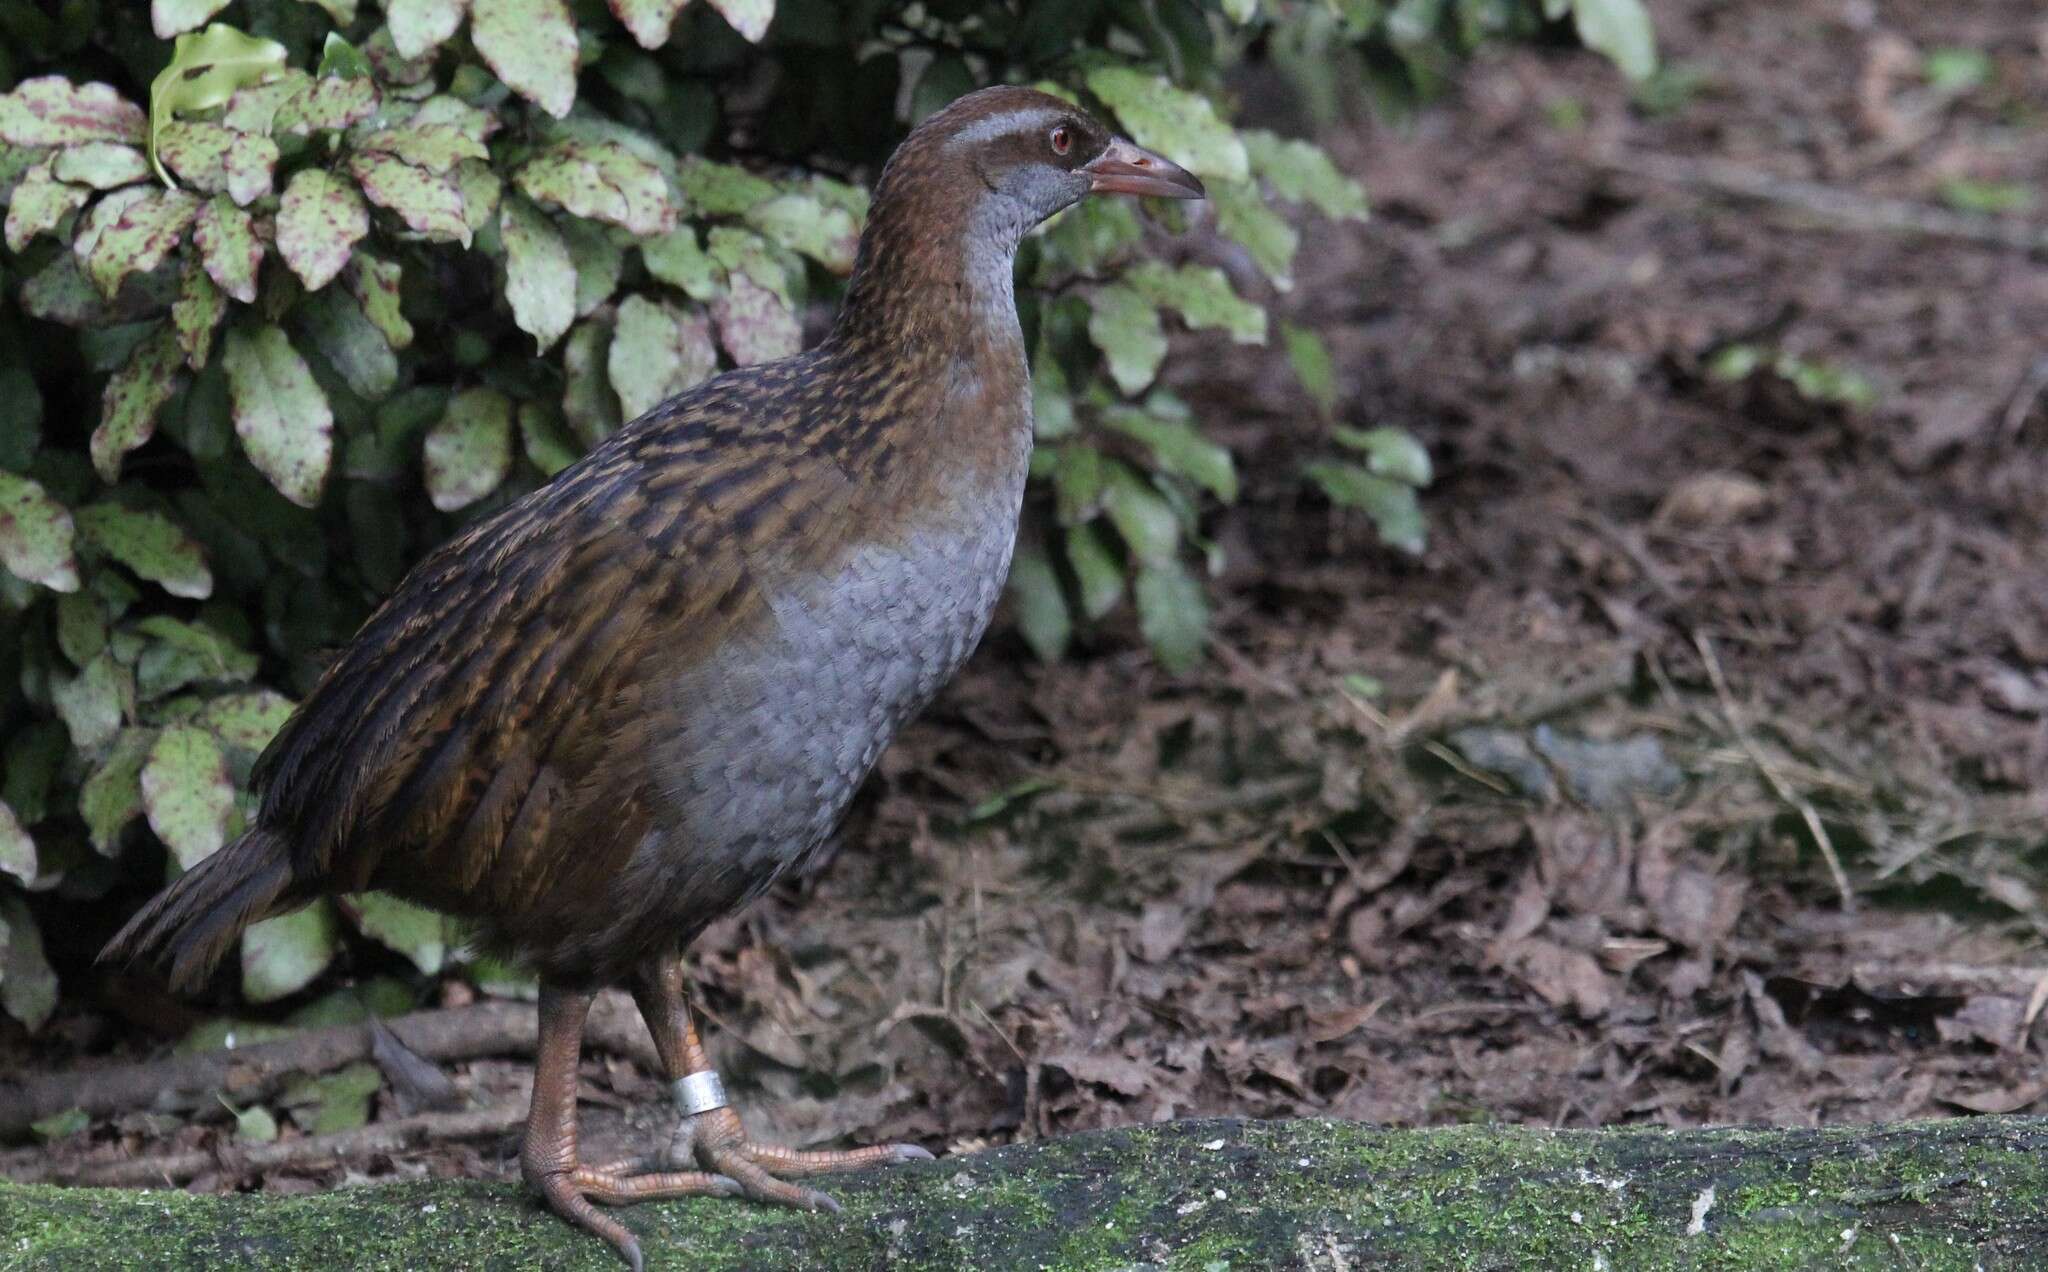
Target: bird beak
[1124, 168]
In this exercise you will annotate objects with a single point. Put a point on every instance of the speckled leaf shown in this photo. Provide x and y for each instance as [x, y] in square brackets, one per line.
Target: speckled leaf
[540, 275]
[17, 849]
[228, 247]
[336, 325]
[430, 205]
[420, 25]
[86, 234]
[81, 627]
[648, 20]
[206, 70]
[28, 988]
[545, 438]
[342, 11]
[60, 293]
[598, 262]
[195, 313]
[1302, 173]
[246, 720]
[802, 224]
[435, 147]
[1243, 216]
[329, 104]
[481, 188]
[1040, 604]
[93, 703]
[149, 543]
[40, 204]
[253, 108]
[721, 189]
[420, 934]
[133, 396]
[531, 46]
[470, 450]
[35, 535]
[1622, 30]
[1125, 326]
[103, 165]
[373, 281]
[280, 414]
[174, 17]
[187, 793]
[748, 17]
[677, 259]
[601, 181]
[657, 351]
[1173, 613]
[391, 67]
[588, 402]
[754, 324]
[52, 111]
[138, 237]
[281, 956]
[112, 797]
[319, 221]
[219, 160]
[1178, 124]
[1202, 296]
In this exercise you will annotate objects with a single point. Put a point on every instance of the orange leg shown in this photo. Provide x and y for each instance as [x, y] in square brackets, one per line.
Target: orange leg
[710, 1133]
[547, 1155]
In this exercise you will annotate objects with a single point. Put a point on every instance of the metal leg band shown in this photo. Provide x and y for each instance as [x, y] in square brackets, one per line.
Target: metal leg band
[698, 1092]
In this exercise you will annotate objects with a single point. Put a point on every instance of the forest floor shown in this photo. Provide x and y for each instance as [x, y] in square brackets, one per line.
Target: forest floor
[1697, 772]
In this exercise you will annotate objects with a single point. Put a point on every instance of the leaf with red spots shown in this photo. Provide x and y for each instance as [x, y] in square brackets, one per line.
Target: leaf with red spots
[601, 181]
[420, 25]
[133, 396]
[151, 544]
[52, 111]
[103, 165]
[648, 20]
[187, 792]
[134, 235]
[435, 147]
[540, 275]
[470, 450]
[373, 281]
[319, 221]
[229, 248]
[282, 417]
[218, 160]
[657, 352]
[754, 324]
[40, 204]
[531, 46]
[35, 535]
[430, 205]
[196, 312]
[327, 105]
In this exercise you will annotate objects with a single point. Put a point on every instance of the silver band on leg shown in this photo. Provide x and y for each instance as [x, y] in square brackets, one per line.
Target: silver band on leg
[698, 1092]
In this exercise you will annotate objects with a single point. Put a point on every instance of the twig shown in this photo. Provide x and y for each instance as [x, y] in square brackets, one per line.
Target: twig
[2023, 398]
[1770, 771]
[1831, 205]
[249, 1075]
[357, 1149]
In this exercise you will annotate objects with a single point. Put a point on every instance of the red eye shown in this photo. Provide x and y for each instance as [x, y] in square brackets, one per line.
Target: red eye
[1062, 139]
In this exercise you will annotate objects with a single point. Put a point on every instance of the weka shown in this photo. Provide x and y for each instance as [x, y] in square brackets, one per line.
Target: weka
[626, 704]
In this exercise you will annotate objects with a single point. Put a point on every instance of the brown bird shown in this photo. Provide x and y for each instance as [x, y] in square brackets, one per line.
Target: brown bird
[626, 704]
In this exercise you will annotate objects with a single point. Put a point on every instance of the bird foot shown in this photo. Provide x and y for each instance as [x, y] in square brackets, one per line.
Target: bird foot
[569, 1193]
[714, 1140]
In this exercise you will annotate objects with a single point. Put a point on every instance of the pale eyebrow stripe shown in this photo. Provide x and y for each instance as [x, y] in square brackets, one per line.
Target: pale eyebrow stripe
[1008, 122]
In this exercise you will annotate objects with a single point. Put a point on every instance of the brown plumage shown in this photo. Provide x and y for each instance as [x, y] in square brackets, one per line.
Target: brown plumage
[626, 703]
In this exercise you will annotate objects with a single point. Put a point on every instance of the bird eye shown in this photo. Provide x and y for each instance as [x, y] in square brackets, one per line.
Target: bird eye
[1062, 139]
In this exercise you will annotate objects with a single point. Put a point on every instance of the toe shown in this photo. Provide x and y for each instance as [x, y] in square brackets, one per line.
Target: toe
[910, 1153]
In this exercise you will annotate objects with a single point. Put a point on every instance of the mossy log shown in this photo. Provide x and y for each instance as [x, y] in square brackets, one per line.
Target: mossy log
[1198, 1195]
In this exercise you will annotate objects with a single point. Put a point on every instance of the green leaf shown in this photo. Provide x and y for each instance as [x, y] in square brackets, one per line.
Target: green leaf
[1392, 505]
[281, 956]
[1390, 452]
[1125, 326]
[755, 324]
[1243, 216]
[721, 189]
[172, 17]
[280, 414]
[430, 205]
[205, 69]
[335, 324]
[1080, 476]
[28, 988]
[112, 797]
[657, 351]
[103, 165]
[648, 20]
[339, 58]
[218, 160]
[588, 402]
[1141, 515]
[1179, 124]
[1052, 406]
[1173, 613]
[1096, 568]
[133, 396]
[254, 1124]
[1086, 237]
[540, 275]
[803, 224]
[39, 205]
[52, 111]
[531, 46]
[253, 108]
[195, 313]
[339, 1101]
[180, 653]
[57, 1125]
[601, 181]
[598, 261]
[470, 450]
[34, 755]
[35, 535]
[373, 281]
[150, 544]
[17, 849]
[422, 935]
[1041, 605]
[420, 25]
[435, 147]
[93, 703]
[1313, 366]
[130, 232]
[229, 248]
[1622, 30]
[187, 793]
[676, 259]
[81, 627]
[326, 105]
[1202, 296]
[1179, 447]
[748, 17]
[545, 437]
[1301, 172]
[246, 720]
[1955, 70]
[319, 221]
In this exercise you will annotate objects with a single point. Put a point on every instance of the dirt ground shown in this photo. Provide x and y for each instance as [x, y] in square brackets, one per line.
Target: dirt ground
[1697, 772]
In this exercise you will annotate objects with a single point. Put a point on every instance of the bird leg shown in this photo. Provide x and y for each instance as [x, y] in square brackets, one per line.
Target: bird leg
[709, 1132]
[547, 1155]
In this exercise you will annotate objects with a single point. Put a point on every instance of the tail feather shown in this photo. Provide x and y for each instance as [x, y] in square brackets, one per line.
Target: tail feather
[192, 924]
